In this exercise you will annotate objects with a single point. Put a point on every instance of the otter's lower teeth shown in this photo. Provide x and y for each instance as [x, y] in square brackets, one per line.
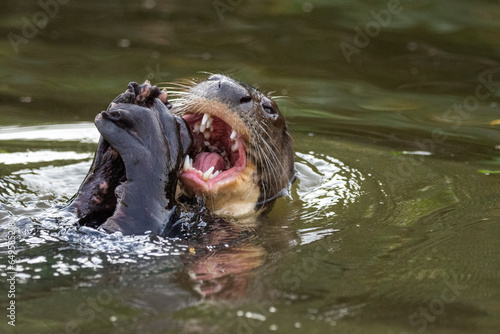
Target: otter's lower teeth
[208, 173]
[235, 146]
[188, 164]
[196, 128]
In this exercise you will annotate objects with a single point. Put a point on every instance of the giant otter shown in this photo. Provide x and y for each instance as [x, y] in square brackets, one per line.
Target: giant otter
[223, 145]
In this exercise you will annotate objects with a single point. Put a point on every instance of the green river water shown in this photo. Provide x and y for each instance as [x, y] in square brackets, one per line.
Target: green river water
[393, 225]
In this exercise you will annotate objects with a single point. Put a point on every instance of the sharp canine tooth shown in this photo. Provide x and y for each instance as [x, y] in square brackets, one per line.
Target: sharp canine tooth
[209, 121]
[235, 146]
[204, 122]
[233, 135]
[187, 164]
[205, 119]
[208, 173]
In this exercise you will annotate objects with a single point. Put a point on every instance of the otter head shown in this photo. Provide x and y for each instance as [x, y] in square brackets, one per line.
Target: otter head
[242, 154]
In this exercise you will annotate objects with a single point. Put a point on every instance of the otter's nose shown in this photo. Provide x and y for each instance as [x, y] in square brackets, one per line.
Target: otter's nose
[228, 90]
[216, 77]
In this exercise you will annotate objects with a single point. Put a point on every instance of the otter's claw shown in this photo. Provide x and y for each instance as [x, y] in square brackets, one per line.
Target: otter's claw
[142, 95]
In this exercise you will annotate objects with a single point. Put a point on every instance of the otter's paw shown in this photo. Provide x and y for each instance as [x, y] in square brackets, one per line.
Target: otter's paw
[143, 95]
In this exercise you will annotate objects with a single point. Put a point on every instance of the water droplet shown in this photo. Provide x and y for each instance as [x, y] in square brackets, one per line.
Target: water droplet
[149, 4]
[307, 7]
[124, 43]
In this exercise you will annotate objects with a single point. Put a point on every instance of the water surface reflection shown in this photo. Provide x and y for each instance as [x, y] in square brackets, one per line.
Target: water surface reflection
[385, 216]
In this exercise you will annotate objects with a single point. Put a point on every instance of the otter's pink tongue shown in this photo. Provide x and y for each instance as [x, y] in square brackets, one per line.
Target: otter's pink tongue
[205, 160]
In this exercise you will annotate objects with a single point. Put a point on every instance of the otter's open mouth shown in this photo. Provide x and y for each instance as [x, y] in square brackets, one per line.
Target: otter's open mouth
[218, 156]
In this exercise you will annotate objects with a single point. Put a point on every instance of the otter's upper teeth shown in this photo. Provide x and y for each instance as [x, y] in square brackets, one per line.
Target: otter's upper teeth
[204, 122]
[205, 118]
[188, 164]
[233, 135]
[208, 173]
[209, 123]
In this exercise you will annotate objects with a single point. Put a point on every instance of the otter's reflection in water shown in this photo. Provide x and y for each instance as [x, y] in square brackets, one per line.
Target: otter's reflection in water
[219, 262]
[224, 274]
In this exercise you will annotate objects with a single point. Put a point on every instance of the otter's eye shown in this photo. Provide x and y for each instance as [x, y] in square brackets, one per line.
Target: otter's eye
[268, 108]
[270, 111]
[245, 99]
